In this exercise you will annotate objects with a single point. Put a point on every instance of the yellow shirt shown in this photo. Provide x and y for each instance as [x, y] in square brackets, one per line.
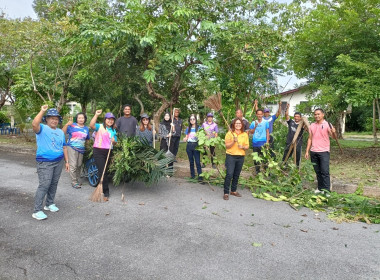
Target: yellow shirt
[242, 140]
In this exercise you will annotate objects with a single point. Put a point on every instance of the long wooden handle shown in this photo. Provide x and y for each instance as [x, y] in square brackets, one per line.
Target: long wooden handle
[336, 139]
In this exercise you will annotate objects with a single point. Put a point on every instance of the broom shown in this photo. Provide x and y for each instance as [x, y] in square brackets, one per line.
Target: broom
[214, 102]
[98, 195]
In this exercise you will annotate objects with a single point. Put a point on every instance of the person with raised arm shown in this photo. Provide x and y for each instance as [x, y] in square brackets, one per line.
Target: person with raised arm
[105, 139]
[51, 156]
[78, 133]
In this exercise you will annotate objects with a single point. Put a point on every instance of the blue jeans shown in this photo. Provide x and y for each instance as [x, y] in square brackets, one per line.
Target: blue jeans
[193, 154]
[48, 176]
[234, 165]
[321, 164]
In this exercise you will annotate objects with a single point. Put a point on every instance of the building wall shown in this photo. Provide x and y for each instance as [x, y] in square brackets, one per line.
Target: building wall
[296, 99]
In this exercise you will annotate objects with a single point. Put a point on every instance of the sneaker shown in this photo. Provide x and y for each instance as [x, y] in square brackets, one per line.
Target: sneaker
[318, 191]
[51, 208]
[39, 215]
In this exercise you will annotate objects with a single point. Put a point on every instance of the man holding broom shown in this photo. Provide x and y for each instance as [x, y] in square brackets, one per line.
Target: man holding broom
[318, 145]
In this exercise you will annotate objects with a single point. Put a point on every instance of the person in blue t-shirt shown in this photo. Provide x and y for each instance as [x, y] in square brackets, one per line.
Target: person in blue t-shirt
[78, 133]
[260, 131]
[51, 151]
[191, 147]
[270, 119]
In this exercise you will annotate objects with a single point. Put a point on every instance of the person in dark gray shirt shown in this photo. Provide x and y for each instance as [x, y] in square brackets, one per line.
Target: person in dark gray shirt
[127, 123]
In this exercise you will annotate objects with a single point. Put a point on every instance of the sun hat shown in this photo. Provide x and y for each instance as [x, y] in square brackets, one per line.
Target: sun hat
[266, 110]
[52, 113]
[109, 115]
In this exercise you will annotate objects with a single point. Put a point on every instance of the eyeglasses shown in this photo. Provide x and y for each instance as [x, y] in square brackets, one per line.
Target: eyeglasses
[237, 123]
[192, 119]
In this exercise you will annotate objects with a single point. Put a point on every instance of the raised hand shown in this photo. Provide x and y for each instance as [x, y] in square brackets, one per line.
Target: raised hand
[44, 107]
[98, 112]
[70, 122]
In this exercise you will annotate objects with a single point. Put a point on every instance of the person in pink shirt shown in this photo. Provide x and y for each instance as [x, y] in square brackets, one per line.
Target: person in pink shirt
[318, 149]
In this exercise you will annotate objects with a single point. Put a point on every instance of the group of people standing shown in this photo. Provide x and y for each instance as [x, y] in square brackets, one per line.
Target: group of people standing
[53, 152]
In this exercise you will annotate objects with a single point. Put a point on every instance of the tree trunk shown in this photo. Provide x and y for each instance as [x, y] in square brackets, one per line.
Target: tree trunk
[83, 107]
[378, 108]
[339, 126]
[158, 113]
[137, 97]
[374, 122]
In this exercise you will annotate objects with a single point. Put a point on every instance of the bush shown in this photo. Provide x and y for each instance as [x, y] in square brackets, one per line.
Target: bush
[4, 118]
[369, 126]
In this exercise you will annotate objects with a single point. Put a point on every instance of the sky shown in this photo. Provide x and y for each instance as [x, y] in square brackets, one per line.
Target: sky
[23, 8]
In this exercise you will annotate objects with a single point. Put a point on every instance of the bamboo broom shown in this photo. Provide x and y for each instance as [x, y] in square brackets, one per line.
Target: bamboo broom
[214, 102]
[98, 195]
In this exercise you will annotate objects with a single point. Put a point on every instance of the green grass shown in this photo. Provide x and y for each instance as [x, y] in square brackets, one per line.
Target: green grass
[357, 144]
[353, 133]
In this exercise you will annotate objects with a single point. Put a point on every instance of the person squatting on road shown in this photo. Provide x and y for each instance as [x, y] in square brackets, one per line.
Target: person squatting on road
[260, 131]
[127, 124]
[78, 133]
[319, 146]
[50, 157]
[211, 129]
[237, 143]
[144, 131]
[105, 139]
[270, 119]
[292, 128]
[191, 148]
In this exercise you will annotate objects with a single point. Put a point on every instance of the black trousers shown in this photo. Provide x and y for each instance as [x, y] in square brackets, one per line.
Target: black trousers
[271, 146]
[321, 164]
[298, 153]
[100, 157]
[174, 144]
[234, 165]
[256, 163]
[212, 151]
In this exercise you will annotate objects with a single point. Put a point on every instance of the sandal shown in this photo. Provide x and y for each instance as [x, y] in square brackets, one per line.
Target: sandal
[76, 186]
[225, 196]
[235, 194]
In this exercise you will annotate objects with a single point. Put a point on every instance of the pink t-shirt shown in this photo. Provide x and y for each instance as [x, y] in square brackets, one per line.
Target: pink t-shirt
[320, 141]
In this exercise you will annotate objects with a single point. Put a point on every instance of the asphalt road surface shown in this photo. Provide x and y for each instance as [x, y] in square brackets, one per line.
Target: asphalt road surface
[174, 230]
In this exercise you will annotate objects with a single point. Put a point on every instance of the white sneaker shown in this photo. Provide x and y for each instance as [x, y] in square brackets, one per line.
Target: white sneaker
[318, 191]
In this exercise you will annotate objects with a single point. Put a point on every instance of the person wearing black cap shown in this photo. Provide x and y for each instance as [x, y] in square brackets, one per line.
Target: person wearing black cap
[127, 123]
[50, 157]
[144, 131]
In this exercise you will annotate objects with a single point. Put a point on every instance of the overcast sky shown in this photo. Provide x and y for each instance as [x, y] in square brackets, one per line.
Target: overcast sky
[23, 8]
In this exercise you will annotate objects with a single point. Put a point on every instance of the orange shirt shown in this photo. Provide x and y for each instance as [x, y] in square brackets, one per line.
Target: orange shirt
[242, 140]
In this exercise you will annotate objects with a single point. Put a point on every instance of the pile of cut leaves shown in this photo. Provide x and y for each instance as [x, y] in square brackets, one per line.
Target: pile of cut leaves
[135, 160]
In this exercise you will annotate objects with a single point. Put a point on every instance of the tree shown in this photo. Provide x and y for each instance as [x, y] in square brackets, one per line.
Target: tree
[164, 45]
[335, 45]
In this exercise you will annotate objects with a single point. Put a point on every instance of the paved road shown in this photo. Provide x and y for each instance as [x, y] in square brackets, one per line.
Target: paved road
[174, 230]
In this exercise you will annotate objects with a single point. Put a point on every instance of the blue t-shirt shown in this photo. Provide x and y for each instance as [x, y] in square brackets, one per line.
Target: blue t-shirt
[77, 137]
[270, 120]
[260, 136]
[50, 144]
